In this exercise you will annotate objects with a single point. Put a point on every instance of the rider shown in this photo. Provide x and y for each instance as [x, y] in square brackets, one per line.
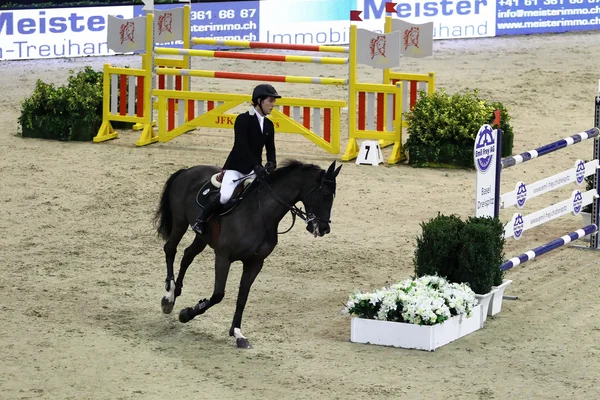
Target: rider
[253, 132]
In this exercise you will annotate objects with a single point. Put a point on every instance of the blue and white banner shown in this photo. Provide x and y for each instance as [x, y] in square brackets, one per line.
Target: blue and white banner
[317, 22]
[329, 22]
[78, 32]
[56, 32]
[235, 20]
[517, 17]
[451, 19]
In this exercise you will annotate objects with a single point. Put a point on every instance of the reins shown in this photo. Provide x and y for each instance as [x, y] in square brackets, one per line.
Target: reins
[294, 210]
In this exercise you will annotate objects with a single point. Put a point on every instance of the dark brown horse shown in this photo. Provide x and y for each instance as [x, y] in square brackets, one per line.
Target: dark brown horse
[246, 233]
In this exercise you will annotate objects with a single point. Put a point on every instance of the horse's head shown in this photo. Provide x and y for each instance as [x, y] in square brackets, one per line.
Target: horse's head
[319, 201]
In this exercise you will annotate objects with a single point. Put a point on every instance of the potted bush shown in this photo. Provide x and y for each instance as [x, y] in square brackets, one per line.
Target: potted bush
[467, 252]
[480, 256]
[442, 128]
[435, 252]
[423, 313]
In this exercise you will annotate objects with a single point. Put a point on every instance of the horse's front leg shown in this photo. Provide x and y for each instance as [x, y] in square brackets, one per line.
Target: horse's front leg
[249, 274]
[170, 249]
[174, 287]
[222, 265]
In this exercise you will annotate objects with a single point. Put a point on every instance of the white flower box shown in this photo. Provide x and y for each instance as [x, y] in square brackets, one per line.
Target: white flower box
[496, 304]
[412, 336]
[486, 300]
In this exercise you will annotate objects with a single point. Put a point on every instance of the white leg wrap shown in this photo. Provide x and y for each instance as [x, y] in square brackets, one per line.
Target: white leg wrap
[170, 295]
[238, 333]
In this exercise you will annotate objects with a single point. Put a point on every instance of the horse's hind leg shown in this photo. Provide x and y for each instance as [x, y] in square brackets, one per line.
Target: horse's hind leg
[170, 249]
[197, 246]
[222, 265]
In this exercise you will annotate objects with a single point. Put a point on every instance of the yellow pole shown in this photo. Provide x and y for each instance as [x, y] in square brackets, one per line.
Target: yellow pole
[431, 83]
[387, 29]
[250, 56]
[148, 135]
[397, 155]
[187, 32]
[335, 129]
[251, 77]
[162, 119]
[106, 131]
[352, 146]
[386, 80]
[269, 45]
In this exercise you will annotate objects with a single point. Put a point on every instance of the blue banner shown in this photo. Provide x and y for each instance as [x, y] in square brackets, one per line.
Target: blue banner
[516, 17]
[237, 20]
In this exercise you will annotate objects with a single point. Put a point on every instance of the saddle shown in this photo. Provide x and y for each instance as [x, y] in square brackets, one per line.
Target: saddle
[213, 185]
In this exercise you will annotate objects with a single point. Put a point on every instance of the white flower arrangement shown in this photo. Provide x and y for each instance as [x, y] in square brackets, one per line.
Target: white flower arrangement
[427, 300]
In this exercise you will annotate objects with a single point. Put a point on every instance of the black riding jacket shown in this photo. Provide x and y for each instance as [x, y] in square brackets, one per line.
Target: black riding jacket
[249, 142]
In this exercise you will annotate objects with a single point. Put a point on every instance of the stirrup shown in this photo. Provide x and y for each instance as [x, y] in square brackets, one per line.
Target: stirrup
[199, 227]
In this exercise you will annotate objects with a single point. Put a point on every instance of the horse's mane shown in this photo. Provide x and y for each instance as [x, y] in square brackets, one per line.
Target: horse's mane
[289, 166]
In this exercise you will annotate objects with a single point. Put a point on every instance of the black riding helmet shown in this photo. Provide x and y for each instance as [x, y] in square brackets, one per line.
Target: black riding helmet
[261, 92]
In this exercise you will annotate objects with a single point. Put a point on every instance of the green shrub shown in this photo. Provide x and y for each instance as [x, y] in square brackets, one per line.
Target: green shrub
[435, 253]
[71, 112]
[442, 128]
[481, 253]
[468, 251]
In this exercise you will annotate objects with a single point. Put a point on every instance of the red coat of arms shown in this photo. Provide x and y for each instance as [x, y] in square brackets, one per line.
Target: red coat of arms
[164, 23]
[377, 46]
[127, 32]
[411, 37]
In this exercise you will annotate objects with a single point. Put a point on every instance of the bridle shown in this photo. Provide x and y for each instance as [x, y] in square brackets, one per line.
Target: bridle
[308, 218]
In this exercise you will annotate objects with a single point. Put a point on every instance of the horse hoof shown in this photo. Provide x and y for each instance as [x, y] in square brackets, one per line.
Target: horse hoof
[166, 305]
[185, 316]
[243, 343]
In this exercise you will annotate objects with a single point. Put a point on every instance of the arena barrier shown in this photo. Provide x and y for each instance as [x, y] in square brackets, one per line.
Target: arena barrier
[180, 110]
[489, 201]
[127, 98]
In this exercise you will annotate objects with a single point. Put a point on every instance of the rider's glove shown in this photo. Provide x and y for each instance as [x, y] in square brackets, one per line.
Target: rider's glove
[270, 166]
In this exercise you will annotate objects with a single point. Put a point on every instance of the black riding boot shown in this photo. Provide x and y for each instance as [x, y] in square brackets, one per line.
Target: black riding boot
[209, 209]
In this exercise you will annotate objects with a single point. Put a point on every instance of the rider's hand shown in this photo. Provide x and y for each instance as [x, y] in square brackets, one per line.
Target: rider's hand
[270, 166]
[259, 171]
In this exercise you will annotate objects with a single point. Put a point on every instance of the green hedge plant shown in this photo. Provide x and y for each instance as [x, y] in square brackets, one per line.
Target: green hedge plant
[460, 251]
[480, 253]
[435, 253]
[442, 128]
[69, 112]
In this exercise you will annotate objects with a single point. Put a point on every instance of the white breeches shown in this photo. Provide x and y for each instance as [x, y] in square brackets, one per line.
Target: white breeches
[230, 181]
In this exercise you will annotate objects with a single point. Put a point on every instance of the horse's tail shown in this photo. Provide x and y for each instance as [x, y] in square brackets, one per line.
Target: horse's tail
[163, 218]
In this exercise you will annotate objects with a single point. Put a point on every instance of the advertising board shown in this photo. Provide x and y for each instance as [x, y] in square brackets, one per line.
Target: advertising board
[78, 32]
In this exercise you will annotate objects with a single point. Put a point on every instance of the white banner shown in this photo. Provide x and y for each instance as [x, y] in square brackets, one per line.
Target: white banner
[168, 25]
[126, 35]
[451, 19]
[378, 50]
[484, 155]
[56, 32]
[417, 39]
